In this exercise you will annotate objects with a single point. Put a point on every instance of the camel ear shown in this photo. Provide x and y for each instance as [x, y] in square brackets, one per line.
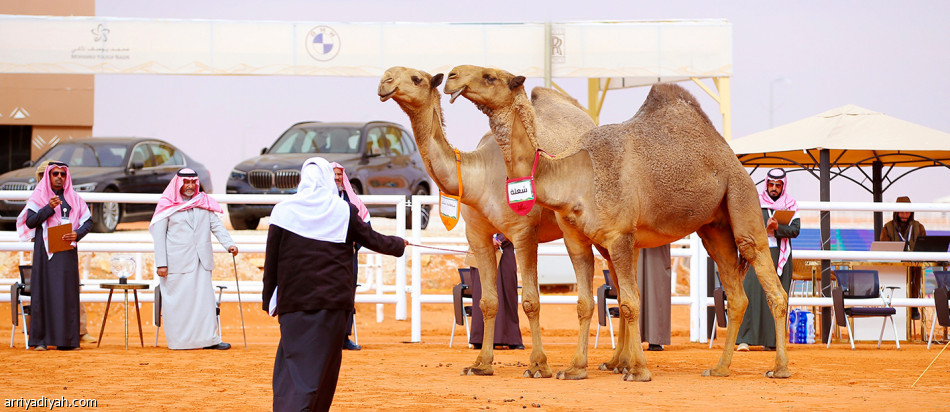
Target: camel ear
[515, 82]
[436, 80]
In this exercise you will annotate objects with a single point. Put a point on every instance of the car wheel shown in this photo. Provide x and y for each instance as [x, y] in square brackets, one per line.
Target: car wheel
[244, 223]
[426, 209]
[106, 215]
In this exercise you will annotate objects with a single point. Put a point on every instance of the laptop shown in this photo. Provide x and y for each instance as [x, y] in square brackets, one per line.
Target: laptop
[932, 244]
[881, 246]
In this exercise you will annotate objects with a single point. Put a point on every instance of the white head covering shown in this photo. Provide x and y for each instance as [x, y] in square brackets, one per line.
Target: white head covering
[316, 211]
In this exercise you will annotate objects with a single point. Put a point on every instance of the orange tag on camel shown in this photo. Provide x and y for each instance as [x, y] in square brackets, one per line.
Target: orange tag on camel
[448, 210]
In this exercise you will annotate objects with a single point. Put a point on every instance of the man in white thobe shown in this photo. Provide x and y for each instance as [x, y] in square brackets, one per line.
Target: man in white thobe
[181, 228]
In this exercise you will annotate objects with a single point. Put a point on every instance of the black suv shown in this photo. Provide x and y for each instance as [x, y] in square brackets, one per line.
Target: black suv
[99, 164]
[380, 158]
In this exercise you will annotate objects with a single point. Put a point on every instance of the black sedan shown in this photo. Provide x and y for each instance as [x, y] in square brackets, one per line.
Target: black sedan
[381, 158]
[119, 164]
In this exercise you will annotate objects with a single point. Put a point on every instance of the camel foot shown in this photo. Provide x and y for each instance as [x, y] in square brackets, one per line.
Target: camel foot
[541, 371]
[719, 372]
[478, 370]
[572, 374]
[782, 373]
[642, 376]
[614, 365]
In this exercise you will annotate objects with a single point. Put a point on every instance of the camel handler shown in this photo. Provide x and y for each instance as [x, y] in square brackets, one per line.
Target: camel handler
[307, 282]
[758, 326]
[181, 228]
[84, 335]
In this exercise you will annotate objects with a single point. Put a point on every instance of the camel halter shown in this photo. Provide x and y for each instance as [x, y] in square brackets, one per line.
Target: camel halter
[521, 191]
[448, 204]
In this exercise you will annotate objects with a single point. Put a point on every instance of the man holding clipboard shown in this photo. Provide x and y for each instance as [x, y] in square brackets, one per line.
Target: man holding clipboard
[780, 212]
[55, 218]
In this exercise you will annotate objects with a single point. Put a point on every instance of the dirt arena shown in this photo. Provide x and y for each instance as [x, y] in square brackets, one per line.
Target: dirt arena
[393, 375]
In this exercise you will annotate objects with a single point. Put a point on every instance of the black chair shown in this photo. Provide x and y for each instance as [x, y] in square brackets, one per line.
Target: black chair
[719, 318]
[462, 291]
[941, 313]
[861, 284]
[157, 309]
[17, 308]
[607, 291]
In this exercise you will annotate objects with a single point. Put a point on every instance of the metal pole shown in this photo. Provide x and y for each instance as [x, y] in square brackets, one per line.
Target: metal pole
[878, 193]
[237, 284]
[825, 196]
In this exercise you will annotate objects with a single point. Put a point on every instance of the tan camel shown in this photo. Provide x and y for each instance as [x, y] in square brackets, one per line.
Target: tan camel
[484, 207]
[643, 183]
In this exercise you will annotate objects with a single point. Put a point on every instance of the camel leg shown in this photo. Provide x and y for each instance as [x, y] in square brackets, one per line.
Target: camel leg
[487, 273]
[721, 246]
[753, 246]
[614, 364]
[582, 258]
[527, 257]
[625, 256]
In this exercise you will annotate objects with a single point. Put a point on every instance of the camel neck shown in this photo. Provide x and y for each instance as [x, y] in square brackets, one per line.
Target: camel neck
[437, 154]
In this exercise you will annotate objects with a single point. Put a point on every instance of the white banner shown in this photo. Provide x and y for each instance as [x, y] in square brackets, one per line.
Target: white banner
[108, 45]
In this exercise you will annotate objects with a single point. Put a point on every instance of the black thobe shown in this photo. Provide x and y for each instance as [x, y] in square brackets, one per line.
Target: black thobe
[758, 325]
[314, 284]
[507, 330]
[54, 285]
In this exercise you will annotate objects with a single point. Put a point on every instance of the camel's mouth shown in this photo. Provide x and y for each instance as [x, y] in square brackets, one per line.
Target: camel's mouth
[456, 94]
[385, 96]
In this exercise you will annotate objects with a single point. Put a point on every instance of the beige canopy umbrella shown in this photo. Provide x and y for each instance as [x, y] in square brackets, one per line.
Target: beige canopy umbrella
[854, 136]
[844, 138]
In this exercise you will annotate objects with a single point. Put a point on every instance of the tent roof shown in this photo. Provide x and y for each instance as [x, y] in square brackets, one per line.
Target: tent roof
[854, 135]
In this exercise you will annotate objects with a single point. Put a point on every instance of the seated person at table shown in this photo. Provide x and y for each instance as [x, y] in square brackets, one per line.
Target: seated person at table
[903, 228]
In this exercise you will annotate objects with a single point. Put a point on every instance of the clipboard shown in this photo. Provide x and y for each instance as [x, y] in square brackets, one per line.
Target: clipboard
[55, 234]
[784, 217]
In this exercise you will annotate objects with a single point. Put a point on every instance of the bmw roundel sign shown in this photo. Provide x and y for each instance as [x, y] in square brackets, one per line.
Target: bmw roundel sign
[323, 43]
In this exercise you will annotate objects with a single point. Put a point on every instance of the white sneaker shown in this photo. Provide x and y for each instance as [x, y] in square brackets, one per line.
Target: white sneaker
[743, 347]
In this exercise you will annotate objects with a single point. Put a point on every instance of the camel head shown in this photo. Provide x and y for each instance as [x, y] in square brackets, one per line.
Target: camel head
[488, 88]
[410, 88]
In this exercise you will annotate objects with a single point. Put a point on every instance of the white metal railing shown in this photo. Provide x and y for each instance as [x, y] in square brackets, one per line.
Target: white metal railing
[697, 300]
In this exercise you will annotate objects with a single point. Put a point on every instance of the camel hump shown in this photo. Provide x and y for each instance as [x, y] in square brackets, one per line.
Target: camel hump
[663, 95]
[541, 93]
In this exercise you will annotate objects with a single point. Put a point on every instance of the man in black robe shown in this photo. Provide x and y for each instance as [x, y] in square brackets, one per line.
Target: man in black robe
[507, 329]
[308, 268]
[54, 279]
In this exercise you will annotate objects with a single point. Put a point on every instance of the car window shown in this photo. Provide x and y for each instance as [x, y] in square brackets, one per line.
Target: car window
[74, 155]
[375, 141]
[140, 154]
[165, 155]
[338, 140]
[110, 155]
[394, 142]
[408, 143]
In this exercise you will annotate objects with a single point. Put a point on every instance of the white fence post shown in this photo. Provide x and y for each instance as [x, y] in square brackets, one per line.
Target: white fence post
[401, 263]
[416, 265]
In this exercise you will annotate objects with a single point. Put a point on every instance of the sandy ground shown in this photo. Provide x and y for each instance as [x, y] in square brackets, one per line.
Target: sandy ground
[391, 374]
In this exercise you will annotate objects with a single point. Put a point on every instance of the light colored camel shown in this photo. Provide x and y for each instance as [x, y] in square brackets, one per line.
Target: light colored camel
[643, 183]
[484, 206]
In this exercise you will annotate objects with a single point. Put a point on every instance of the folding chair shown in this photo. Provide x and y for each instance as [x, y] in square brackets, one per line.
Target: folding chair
[860, 284]
[604, 313]
[17, 308]
[462, 291]
[941, 312]
[157, 310]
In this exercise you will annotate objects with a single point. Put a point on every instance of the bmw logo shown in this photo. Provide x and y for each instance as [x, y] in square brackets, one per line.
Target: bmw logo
[323, 43]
